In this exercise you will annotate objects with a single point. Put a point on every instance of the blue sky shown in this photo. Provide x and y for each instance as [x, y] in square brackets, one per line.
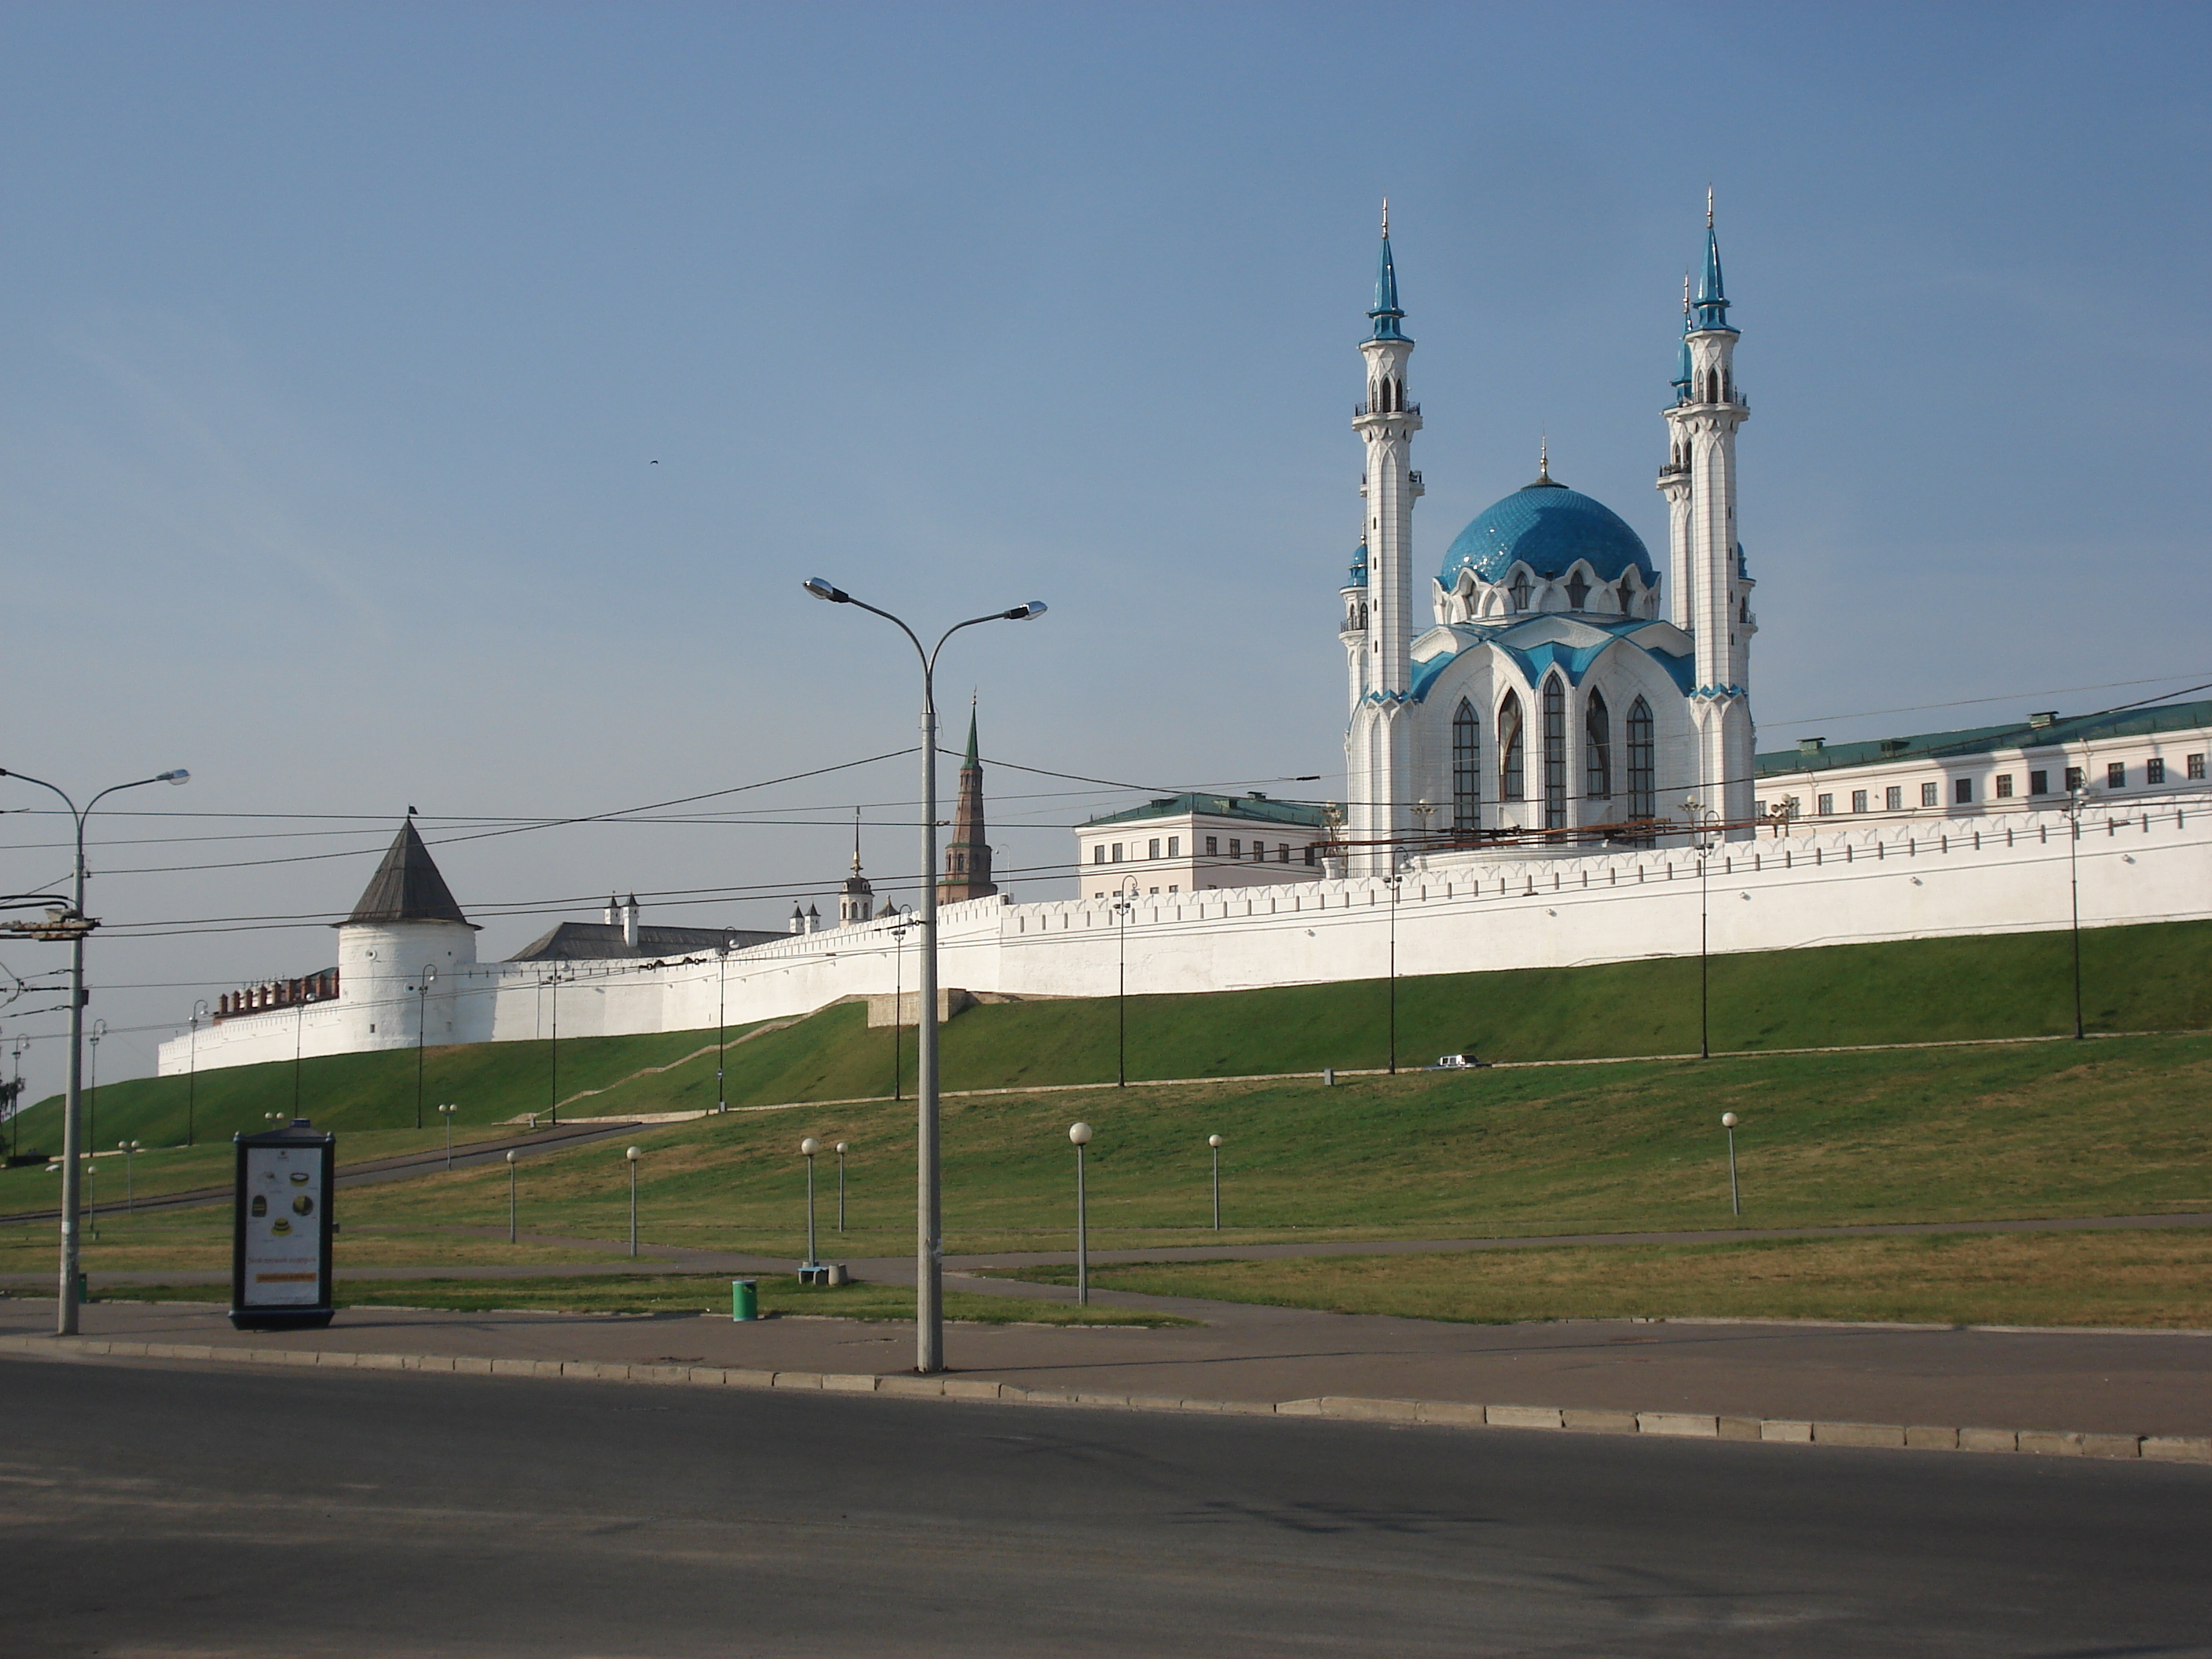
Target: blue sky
[339, 345]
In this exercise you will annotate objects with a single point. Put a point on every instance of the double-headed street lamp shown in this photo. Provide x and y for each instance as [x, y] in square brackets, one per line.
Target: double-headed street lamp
[1125, 906]
[929, 1244]
[1704, 820]
[65, 1322]
[1394, 881]
[727, 944]
[423, 981]
[192, 1072]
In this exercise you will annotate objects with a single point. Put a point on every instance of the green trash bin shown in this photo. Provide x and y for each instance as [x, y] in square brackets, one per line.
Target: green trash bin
[744, 1299]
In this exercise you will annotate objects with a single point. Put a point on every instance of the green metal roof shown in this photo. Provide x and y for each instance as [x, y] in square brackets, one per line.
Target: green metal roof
[1257, 808]
[1987, 740]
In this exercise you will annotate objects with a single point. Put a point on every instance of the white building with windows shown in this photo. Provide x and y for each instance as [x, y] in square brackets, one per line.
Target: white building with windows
[1188, 843]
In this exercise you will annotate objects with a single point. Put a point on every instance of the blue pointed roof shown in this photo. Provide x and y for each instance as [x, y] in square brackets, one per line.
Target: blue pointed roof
[1546, 526]
[1386, 312]
[1358, 578]
[1712, 297]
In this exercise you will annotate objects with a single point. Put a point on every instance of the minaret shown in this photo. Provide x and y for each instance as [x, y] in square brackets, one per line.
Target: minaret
[1711, 587]
[1674, 483]
[856, 901]
[968, 855]
[1378, 738]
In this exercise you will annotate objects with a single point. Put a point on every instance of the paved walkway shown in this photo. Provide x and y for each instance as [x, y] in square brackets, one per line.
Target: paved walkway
[2128, 1384]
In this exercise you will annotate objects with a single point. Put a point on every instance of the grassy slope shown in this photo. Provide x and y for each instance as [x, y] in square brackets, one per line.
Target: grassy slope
[2145, 1279]
[2113, 1126]
[2136, 978]
[2148, 978]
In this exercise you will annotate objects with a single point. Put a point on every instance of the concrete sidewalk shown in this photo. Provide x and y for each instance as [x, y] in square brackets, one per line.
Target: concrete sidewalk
[2116, 1384]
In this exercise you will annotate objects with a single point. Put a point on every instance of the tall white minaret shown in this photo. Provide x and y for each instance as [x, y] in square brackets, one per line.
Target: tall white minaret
[1378, 738]
[1712, 589]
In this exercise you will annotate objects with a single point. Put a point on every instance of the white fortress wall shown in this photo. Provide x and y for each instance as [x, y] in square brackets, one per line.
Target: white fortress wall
[1457, 913]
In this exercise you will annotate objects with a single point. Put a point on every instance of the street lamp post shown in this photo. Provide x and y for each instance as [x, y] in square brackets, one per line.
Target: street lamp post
[842, 1148]
[929, 1251]
[15, 1115]
[721, 1012]
[2076, 798]
[192, 1071]
[446, 1112]
[898, 1005]
[630, 1156]
[91, 1124]
[65, 1322]
[1214, 1142]
[1125, 906]
[128, 1149]
[423, 981]
[1701, 818]
[553, 1049]
[807, 1148]
[1080, 1134]
[1394, 882]
[510, 1198]
[1728, 1120]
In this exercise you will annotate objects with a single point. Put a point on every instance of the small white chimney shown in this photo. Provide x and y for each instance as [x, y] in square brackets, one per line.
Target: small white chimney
[614, 912]
[798, 920]
[629, 921]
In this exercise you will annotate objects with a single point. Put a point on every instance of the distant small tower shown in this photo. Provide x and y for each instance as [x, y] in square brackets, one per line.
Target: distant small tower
[856, 901]
[968, 855]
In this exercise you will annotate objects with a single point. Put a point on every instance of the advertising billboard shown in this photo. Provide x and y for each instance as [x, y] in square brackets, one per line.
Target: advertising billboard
[280, 1272]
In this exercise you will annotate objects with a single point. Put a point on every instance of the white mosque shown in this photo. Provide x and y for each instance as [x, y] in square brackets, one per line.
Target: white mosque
[1556, 689]
[1558, 769]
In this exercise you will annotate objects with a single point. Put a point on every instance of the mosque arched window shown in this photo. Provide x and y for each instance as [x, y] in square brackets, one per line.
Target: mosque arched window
[1597, 748]
[1466, 773]
[1555, 754]
[1509, 748]
[1627, 593]
[1578, 592]
[1643, 767]
[1520, 590]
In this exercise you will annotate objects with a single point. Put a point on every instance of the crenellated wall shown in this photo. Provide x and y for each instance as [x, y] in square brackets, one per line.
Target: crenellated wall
[1456, 913]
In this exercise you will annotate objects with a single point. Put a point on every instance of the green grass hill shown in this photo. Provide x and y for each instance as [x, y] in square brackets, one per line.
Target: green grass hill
[2151, 978]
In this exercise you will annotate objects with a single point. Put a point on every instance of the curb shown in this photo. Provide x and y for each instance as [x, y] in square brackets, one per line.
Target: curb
[1570, 1420]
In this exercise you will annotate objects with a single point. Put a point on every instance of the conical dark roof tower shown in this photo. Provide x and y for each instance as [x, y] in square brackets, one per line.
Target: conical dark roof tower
[407, 886]
[968, 855]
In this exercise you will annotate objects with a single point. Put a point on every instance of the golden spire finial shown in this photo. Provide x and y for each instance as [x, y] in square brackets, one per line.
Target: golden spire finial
[1544, 456]
[856, 841]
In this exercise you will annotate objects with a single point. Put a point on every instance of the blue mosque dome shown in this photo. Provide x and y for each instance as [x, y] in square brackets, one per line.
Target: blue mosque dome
[1546, 526]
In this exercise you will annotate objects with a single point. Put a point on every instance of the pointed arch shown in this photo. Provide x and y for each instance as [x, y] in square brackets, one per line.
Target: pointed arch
[1555, 752]
[1466, 767]
[1511, 747]
[1597, 747]
[1643, 767]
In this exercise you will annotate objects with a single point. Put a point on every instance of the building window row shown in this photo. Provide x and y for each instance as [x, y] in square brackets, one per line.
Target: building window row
[2001, 785]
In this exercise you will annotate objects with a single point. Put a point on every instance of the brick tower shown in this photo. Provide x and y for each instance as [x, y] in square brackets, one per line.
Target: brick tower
[968, 855]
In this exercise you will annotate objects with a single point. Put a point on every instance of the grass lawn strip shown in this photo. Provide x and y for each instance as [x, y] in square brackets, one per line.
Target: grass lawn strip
[676, 1293]
[2142, 1279]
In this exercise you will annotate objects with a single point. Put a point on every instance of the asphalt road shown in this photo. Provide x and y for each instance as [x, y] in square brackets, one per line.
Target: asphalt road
[173, 1511]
